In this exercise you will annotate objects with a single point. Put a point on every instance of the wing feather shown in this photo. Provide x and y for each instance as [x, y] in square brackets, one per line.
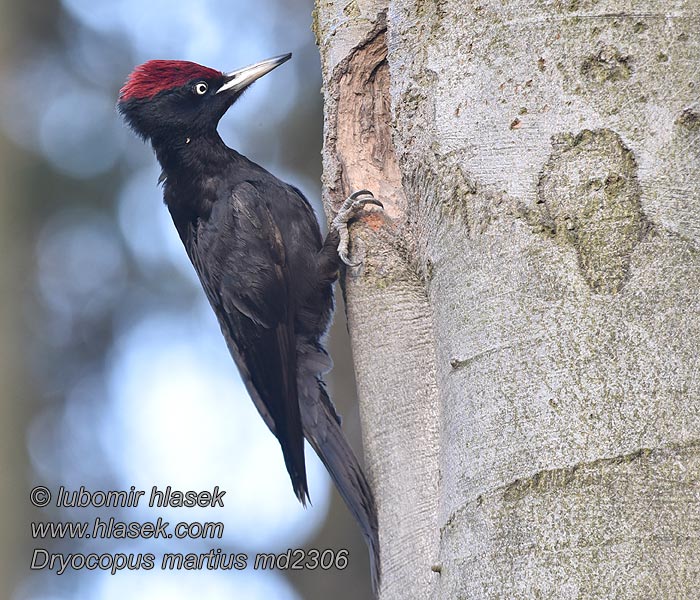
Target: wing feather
[239, 256]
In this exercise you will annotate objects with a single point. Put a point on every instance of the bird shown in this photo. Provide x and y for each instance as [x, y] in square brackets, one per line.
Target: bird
[268, 273]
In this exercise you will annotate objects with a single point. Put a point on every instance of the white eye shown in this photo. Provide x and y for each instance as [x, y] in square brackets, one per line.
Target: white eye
[201, 88]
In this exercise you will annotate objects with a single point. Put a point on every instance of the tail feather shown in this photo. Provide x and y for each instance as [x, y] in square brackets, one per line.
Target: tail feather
[322, 428]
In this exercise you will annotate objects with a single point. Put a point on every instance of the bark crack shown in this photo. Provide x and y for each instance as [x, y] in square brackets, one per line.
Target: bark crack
[362, 137]
[560, 477]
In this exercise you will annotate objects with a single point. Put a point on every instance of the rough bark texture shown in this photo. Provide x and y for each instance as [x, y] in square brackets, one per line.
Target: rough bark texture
[526, 323]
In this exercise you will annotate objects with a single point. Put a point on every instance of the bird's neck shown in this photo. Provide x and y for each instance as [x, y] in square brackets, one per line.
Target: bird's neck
[189, 158]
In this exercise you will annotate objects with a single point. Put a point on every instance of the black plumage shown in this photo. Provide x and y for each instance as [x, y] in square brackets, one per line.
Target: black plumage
[257, 248]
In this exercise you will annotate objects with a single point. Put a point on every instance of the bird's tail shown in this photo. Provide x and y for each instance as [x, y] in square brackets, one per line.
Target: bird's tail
[322, 428]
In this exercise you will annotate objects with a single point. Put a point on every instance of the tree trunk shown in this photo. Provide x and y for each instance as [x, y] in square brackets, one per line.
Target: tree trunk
[525, 324]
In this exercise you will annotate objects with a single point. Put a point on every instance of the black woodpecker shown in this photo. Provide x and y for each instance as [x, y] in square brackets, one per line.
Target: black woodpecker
[256, 246]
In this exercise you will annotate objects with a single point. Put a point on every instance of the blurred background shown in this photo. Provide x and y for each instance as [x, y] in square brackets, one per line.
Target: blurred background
[113, 370]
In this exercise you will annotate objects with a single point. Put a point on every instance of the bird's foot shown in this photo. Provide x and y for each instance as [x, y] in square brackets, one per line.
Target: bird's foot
[352, 207]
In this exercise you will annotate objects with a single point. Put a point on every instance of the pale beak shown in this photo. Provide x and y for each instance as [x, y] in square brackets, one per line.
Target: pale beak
[241, 79]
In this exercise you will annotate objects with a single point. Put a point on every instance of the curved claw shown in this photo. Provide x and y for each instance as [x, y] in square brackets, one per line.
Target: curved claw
[370, 200]
[346, 259]
[358, 193]
[351, 208]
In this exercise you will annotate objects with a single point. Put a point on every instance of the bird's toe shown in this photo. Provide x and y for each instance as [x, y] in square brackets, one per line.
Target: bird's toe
[351, 209]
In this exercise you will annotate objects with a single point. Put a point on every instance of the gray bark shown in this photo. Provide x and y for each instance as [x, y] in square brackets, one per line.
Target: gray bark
[526, 322]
